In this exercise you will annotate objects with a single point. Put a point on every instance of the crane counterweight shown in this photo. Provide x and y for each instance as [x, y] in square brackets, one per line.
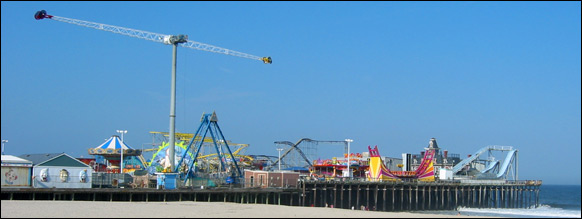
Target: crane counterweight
[41, 15]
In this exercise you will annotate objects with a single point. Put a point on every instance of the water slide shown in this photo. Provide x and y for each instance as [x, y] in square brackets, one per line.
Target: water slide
[505, 166]
[491, 166]
[468, 160]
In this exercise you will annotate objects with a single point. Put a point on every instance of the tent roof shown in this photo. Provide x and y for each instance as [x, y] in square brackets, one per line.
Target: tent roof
[114, 143]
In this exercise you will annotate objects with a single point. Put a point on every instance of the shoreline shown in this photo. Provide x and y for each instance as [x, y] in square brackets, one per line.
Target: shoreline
[100, 209]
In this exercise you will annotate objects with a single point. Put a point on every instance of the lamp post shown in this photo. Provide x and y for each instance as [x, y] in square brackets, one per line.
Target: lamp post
[348, 163]
[121, 162]
[279, 149]
[3, 141]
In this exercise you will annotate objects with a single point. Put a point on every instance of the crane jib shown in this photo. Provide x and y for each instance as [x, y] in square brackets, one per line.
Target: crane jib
[180, 39]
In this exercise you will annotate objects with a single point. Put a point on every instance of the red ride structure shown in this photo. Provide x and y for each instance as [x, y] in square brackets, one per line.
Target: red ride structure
[379, 172]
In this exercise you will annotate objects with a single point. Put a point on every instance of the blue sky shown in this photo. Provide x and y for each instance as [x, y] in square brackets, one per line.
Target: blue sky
[392, 74]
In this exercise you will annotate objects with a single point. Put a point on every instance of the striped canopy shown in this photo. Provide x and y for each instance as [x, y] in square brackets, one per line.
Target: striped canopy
[114, 143]
[111, 150]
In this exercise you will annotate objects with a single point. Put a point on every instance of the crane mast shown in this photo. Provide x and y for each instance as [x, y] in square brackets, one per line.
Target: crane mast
[174, 40]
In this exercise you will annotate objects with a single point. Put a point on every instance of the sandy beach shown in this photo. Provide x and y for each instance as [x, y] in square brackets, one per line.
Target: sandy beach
[84, 209]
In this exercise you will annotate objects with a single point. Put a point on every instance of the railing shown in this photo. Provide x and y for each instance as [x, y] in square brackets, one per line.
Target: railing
[525, 182]
[110, 180]
[500, 148]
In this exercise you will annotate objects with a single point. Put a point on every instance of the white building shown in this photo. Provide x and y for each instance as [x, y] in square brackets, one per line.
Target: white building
[62, 171]
[16, 172]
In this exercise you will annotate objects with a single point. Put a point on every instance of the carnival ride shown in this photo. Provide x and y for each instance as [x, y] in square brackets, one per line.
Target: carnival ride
[111, 151]
[379, 172]
[335, 168]
[207, 160]
[299, 155]
[492, 168]
[226, 162]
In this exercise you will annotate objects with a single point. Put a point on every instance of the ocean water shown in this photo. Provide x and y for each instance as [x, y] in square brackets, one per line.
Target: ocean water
[557, 201]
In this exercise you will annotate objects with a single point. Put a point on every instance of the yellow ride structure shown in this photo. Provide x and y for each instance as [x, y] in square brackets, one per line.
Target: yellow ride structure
[210, 159]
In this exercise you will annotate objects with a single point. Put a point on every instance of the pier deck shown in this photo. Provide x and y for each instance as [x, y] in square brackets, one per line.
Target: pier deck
[378, 196]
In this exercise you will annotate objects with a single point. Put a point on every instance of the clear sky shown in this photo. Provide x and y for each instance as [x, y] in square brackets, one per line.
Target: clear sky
[392, 74]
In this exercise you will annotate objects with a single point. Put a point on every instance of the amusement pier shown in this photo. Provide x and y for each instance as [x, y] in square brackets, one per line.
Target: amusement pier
[206, 167]
[213, 169]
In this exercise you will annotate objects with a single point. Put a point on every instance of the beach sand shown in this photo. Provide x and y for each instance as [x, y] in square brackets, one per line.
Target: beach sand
[84, 209]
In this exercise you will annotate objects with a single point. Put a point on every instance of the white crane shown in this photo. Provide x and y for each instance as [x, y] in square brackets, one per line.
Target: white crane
[175, 40]
[181, 40]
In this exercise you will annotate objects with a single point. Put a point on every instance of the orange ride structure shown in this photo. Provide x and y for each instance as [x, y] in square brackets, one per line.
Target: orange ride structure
[379, 172]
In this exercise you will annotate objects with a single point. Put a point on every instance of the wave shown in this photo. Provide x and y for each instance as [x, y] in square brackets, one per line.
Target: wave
[540, 212]
[566, 206]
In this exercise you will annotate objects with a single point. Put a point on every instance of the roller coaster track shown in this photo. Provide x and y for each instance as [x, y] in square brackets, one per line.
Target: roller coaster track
[295, 147]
